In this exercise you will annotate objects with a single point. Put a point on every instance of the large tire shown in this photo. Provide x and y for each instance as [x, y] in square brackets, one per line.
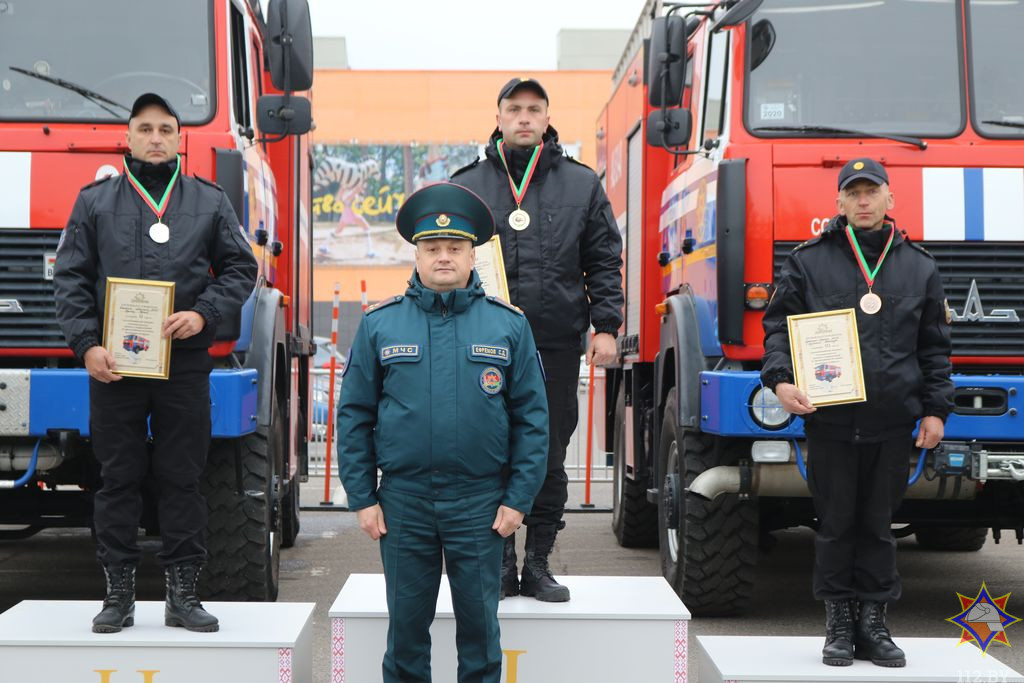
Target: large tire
[243, 544]
[708, 548]
[960, 538]
[634, 519]
[290, 514]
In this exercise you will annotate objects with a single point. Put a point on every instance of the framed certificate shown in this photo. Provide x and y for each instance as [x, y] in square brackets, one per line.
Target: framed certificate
[825, 350]
[490, 266]
[134, 315]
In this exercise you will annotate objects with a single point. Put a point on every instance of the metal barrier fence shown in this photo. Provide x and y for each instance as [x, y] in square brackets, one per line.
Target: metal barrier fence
[575, 455]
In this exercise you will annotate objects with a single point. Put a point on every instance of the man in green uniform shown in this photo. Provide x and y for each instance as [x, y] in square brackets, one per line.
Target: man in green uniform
[444, 393]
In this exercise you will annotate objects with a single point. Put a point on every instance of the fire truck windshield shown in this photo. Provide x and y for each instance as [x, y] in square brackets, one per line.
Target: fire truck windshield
[997, 81]
[878, 66]
[68, 60]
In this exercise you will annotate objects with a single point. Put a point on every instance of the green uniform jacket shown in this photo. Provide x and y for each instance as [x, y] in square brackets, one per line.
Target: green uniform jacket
[445, 394]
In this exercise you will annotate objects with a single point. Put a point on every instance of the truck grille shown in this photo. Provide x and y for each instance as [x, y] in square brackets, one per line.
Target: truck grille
[22, 278]
[998, 269]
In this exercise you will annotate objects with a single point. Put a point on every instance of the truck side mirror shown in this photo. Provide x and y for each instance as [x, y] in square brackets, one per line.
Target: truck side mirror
[289, 45]
[284, 115]
[666, 62]
[669, 127]
[737, 14]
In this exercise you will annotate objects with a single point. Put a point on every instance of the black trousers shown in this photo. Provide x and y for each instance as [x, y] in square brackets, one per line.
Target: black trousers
[178, 410]
[562, 370]
[856, 489]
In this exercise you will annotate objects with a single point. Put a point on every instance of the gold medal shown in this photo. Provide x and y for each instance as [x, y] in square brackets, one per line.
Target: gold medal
[519, 220]
[871, 303]
[159, 233]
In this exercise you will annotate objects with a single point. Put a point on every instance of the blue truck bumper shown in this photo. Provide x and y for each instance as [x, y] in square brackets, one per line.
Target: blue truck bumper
[59, 399]
[725, 399]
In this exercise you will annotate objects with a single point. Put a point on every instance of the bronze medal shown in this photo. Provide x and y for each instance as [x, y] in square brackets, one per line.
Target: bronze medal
[519, 220]
[871, 303]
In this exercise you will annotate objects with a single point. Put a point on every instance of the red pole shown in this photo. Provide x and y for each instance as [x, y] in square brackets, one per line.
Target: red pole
[329, 417]
[590, 434]
[362, 288]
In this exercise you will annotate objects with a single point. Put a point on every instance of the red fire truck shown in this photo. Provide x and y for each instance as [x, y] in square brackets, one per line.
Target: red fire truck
[720, 147]
[65, 91]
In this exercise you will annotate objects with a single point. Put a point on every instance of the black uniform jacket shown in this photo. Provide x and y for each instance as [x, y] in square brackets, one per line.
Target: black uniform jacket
[565, 269]
[208, 257]
[904, 347]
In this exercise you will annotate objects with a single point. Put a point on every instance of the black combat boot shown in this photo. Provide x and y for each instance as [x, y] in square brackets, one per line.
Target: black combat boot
[509, 572]
[537, 581]
[838, 650]
[874, 641]
[183, 607]
[119, 606]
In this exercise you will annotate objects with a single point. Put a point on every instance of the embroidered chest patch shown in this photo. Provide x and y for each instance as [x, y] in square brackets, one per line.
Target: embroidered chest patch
[491, 380]
[400, 351]
[486, 351]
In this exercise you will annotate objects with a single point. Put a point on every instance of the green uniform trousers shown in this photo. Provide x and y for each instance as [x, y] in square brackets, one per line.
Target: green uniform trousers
[420, 530]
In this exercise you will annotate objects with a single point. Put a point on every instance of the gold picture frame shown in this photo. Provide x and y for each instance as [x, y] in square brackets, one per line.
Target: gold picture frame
[825, 350]
[133, 317]
[490, 266]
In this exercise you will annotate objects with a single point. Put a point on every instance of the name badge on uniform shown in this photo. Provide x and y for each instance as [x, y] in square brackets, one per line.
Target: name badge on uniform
[399, 352]
[489, 352]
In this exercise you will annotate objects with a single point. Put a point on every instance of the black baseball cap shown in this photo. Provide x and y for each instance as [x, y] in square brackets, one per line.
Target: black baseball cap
[862, 169]
[522, 82]
[146, 99]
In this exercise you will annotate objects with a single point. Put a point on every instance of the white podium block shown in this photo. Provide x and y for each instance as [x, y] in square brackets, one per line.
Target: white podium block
[614, 629]
[736, 659]
[51, 640]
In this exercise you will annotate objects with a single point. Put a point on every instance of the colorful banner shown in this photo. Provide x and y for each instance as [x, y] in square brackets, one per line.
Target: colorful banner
[358, 189]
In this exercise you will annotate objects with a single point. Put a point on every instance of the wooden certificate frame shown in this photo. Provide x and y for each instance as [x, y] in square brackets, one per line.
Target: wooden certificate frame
[825, 350]
[490, 266]
[133, 317]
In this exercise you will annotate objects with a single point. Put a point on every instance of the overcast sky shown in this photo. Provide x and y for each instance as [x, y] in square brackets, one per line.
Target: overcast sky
[462, 34]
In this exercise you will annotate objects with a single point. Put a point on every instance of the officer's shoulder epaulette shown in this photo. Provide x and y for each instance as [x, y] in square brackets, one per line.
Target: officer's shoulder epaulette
[383, 304]
[501, 302]
[98, 181]
[576, 161]
[467, 167]
[920, 248]
[809, 243]
[207, 181]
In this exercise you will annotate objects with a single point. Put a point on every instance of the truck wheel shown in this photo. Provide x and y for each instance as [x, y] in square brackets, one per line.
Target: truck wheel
[708, 548]
[634, 519]
[290, 514]
[962, 538]
[243, 545]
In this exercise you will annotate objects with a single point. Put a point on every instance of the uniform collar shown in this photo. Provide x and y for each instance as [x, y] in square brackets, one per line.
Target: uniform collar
[455, 301]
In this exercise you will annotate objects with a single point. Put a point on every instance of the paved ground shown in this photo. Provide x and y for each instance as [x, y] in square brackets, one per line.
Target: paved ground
[60, 565]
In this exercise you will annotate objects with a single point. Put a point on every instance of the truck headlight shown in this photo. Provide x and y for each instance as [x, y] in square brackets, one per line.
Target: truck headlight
[766, 409]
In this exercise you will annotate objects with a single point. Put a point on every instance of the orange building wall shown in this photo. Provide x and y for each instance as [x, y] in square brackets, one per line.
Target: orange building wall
[368, 107]
[447, 106]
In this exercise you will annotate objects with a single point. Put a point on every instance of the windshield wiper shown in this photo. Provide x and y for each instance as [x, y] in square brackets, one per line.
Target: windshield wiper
[916, 142]
[91, 95]
[1008, 124]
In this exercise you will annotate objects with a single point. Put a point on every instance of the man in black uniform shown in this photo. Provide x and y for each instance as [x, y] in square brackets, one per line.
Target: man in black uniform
[859, 454]
[152, 223]
[563, 259]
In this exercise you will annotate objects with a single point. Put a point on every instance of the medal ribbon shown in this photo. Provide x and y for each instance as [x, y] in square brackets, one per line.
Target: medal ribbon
[869, 276]
[519, 192]
[159, 208]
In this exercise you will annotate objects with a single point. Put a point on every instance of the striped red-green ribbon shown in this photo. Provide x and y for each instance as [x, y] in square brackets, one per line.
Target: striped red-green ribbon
[862, 262]
[159, 208]
[519, 192]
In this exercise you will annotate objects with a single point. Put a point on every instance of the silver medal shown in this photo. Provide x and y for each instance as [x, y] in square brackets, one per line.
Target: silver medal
[519, 220]
[159, 233]
[871, 303]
